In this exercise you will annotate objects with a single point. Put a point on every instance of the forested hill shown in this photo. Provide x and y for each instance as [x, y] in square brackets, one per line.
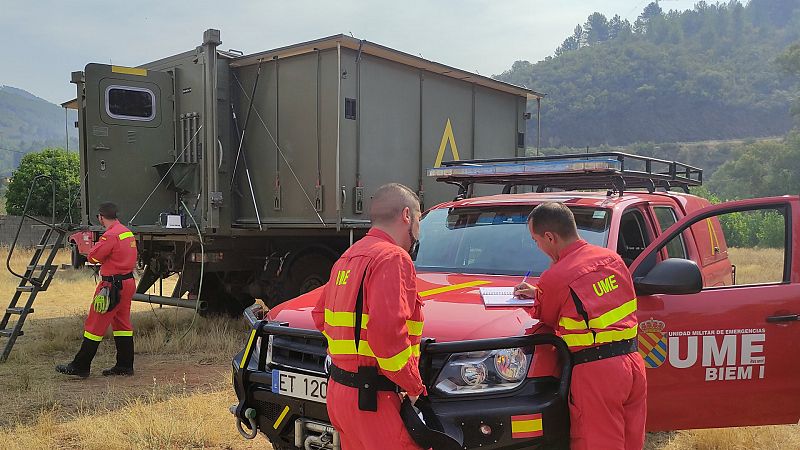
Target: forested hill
[705, 73]
[29, 123]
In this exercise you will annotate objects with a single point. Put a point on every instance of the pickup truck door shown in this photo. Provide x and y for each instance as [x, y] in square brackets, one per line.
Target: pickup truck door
[725, 355]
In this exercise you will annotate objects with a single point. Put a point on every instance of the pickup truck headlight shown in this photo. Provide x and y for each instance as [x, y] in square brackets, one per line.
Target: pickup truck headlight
[483, 371]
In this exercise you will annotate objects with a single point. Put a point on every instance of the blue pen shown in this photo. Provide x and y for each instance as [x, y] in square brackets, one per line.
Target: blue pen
[526, 276]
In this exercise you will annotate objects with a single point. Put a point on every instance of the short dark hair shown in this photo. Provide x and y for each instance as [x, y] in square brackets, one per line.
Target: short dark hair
[108, 210]
[389, 201]
[553, 217]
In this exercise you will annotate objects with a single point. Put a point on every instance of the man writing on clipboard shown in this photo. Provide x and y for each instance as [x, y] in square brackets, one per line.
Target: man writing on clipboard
[587, 297]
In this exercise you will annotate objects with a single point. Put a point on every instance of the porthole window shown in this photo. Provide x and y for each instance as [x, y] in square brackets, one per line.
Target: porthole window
[130, 103]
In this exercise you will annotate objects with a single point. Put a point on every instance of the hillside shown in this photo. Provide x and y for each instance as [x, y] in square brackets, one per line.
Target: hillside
[29, 123]
[701, 74]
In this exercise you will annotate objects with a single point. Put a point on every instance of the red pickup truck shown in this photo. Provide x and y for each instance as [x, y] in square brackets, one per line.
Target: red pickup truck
[716, 326]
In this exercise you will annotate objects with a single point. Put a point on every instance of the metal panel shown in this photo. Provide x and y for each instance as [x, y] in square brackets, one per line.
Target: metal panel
[444, 100]
[495, 129]
[297, 129]
[389, 126]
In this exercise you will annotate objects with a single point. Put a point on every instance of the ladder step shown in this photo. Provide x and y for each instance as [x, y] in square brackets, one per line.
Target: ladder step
[18, 310]
[25, 288]
[41, 246]
[39, 267]
[9, 331]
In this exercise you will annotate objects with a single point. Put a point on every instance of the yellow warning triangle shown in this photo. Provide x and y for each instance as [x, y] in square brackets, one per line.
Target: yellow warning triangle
[447, 136]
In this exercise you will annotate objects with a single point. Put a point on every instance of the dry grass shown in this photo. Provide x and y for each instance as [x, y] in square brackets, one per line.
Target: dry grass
[181, 393]
[757, 265]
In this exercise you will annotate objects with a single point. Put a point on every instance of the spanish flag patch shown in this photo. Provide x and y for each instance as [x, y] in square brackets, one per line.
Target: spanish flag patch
[526, 426]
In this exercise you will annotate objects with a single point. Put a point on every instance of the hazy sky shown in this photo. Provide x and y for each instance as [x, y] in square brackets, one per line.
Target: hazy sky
[48, 39]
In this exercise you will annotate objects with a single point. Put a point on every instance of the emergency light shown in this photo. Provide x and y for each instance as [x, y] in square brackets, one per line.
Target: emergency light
[575, 165]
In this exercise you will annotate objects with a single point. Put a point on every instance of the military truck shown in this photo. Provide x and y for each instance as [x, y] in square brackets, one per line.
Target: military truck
[257, 170]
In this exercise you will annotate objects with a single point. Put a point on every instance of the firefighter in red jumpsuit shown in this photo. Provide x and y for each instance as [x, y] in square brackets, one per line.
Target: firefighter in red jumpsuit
[116, 252]
[587, 297]
[371, 315]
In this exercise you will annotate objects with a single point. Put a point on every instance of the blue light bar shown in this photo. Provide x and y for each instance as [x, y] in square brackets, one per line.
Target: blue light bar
[564, 166]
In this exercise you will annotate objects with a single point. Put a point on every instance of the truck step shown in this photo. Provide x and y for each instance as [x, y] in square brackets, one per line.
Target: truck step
[9, 331]
[18, 310]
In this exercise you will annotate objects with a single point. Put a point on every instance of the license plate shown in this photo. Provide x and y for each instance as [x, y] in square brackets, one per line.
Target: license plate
[299, 385]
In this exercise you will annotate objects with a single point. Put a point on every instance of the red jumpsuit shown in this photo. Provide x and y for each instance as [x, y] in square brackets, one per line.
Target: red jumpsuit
[116, 252]
[608, 396]
[391, 330]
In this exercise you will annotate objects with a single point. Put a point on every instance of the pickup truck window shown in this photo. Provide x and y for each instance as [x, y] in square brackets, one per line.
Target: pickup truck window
[633, 236]
[666, 218]
[494, 240]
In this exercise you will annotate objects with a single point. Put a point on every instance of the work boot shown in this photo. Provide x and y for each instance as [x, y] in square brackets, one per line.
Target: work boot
[81, 364]
[124, 365]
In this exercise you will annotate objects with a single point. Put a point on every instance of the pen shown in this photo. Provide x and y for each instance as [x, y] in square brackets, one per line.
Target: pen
[526, 276]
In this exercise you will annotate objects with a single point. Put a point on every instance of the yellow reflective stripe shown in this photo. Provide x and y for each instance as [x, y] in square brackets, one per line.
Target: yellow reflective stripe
[613, 316]
[414, 327]
[123, 333]
[129, 71]
[125, 235]
[603, 321]
[397, 361]
[247, 349]
[280, 418]
[348, 319]
[93, 260]
[93, 337]
[344, 318]
[452, 287]
[572, 324]
[584, 339]
[348, 347]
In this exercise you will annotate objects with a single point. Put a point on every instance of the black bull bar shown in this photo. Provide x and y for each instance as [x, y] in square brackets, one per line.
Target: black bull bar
[429, 349]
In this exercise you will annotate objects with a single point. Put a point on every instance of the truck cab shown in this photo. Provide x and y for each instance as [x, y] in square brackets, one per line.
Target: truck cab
[703, 333]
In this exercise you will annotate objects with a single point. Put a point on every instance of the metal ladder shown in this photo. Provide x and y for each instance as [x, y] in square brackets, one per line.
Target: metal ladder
[36, 278]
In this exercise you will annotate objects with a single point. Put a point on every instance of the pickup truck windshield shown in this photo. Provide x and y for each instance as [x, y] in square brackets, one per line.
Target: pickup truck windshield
[494, 240]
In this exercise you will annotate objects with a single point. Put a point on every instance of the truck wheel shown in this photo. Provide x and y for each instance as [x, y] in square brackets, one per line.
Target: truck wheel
[77, 260]
[306, 273]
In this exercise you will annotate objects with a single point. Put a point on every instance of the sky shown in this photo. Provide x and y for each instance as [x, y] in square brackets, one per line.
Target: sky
[46, 40]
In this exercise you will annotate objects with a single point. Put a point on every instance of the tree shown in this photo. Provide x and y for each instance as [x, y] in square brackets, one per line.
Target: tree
[650, 12]
[596, 29]
[62, 166]
[789, 63]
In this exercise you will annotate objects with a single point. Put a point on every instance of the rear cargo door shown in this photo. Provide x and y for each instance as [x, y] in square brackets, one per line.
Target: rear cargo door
[128, 130]
[726, 355]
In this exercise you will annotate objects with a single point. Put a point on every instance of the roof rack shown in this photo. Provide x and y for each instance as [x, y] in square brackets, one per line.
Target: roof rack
[615, 171]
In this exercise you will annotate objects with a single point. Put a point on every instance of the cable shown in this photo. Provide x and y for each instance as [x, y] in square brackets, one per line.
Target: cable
[202, 270]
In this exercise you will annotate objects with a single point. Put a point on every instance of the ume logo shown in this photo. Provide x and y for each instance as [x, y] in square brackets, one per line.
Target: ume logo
[725, 354]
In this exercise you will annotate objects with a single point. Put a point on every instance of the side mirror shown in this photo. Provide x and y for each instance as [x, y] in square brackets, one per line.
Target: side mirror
[671, 276]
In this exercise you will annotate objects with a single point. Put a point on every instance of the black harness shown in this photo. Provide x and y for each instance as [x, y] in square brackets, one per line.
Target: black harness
[367, 380]
[602, 351]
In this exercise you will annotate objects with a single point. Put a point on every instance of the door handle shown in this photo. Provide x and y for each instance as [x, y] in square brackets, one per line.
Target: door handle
[783, 318]
[101, 147]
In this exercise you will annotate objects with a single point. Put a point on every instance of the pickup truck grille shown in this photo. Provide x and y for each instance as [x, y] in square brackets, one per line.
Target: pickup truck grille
[299, 353]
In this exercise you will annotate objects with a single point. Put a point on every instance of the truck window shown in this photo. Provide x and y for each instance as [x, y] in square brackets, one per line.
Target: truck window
[494, 240]
[666, 218]
[633, 237]
[130, 103]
